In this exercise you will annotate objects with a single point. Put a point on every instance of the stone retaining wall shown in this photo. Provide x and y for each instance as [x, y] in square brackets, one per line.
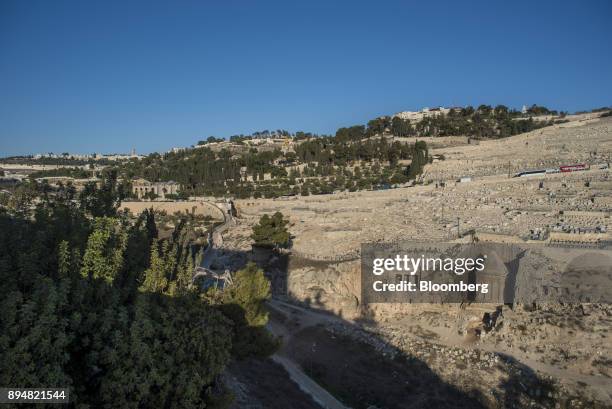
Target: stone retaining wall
[196, 207]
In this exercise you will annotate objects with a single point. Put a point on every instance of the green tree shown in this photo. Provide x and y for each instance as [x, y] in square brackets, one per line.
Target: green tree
[156, 280]
[244, 304]
[102, 201]
[103, 257]
[271, 231]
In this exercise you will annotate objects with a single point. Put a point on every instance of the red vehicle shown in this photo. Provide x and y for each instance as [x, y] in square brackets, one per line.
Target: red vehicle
[574, 168]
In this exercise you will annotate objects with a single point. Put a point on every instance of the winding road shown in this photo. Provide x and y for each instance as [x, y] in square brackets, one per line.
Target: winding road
[215, 238]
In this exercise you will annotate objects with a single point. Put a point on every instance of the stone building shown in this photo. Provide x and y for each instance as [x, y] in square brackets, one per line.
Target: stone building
[141, 187]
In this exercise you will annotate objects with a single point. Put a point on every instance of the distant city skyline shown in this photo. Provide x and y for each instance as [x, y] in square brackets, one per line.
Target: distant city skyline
[111, 76]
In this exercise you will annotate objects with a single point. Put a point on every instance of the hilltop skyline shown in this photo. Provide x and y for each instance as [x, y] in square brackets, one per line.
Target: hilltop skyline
[105, 78]
[270, 132]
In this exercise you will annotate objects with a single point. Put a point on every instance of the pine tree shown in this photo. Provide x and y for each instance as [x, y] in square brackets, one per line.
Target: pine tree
[271, 231]
[155, 276]
[64, 266]
[103, 257]
[244, 304]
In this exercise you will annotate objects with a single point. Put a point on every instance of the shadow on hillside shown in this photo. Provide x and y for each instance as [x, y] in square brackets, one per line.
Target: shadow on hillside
[365, 370]
[360, 376]
[261, 383]
[354, 371]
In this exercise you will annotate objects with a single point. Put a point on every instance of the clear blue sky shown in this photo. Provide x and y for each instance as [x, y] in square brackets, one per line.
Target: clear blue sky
[106, 76]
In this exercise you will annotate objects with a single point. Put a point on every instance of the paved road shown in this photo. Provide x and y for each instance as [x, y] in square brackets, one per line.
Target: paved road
[600, 384]
[320, 395]
[215, 239]
[305, 383]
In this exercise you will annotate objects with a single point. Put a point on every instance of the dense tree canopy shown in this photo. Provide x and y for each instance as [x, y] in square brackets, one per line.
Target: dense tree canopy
[102, 305]
[482, 122]
[315, 164]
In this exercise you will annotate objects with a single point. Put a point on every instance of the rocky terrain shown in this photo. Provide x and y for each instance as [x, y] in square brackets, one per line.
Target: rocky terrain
[553, 355]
